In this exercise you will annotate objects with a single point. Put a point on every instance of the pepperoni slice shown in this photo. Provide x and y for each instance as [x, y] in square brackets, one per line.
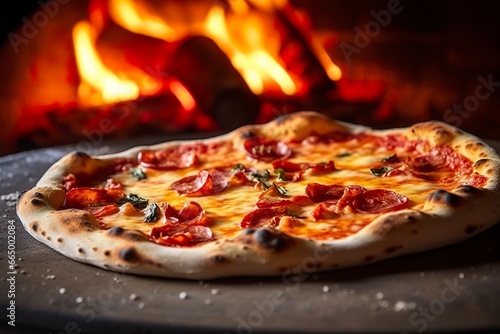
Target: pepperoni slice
[266, 150]
[322, 167]
[191, 214]
[324, 210]
[320, 192]
[264, 217]
[171, 235]
[101, 211]
[238, 178]
[85, 197]
[350, 193]
[170, 159]
[379, 201]
[204, 184]
[288, 166]
[114, 189]
[270, 198]
[69, 182]
[426, 163]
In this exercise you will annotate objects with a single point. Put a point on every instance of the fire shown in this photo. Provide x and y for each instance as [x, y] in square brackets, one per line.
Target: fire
[243, 29]
[183, 95]
[139, 20]
[247, 53]
[99, 85]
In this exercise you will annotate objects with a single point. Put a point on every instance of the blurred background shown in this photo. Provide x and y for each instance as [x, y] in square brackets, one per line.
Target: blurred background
[94, 70]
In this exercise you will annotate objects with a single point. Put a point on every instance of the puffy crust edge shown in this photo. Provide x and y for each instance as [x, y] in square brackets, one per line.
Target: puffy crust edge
[76, 233]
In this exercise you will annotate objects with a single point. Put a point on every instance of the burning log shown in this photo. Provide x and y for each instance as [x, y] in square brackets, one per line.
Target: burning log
[297, 51]
[217, 86]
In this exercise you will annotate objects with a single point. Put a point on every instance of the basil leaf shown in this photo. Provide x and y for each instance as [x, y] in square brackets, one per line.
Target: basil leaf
[279, 189]
[137, 201]
[380, 171]
[152, 213]
[138, 173]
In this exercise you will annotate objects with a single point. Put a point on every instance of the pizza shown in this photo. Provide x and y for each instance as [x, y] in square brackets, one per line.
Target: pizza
[302, 192]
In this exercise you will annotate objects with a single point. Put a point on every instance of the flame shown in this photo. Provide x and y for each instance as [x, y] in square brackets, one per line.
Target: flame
[139, 20]
[332, 70]
[243, 30]
[183, 95]
[248, 55]
[99, 84]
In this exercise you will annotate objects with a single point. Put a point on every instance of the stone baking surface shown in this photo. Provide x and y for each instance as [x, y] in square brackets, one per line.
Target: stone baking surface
[451, 289]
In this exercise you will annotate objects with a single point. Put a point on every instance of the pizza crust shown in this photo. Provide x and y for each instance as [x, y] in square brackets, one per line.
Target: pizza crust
[446, 217]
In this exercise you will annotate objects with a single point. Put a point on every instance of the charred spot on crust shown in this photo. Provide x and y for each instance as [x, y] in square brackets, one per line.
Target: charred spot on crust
[81, 250]
[249, 231]
[311, 264]
[133, 235]
[282, 118]
[479, 163]
[129, 254]
[369, 258]
[218, 258]
[75, 221]
[34, 226]
[474, 146]
[470, 229]
[411, 219]
[116, 231]
[107, 253]
[59, 239]
[247, 134]
[469, 190]
[38, 195]
[393, 249]
[442, 132]
[35, 201]
[87, 225]
[269, 240]
[82, 155]
[445, 197]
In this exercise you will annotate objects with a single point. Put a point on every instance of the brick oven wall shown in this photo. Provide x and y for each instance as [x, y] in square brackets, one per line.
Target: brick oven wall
[438, 59]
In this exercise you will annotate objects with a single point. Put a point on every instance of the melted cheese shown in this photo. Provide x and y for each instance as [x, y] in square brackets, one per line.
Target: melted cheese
[226, 209]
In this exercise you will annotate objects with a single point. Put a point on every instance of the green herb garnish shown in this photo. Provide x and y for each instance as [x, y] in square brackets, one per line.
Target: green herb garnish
[137, 201]
[281, 174]
[152, 213]
[238, 168]
[343, 155]
[138, 173]
[380, 171]
[281, 190]
[261, 177]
